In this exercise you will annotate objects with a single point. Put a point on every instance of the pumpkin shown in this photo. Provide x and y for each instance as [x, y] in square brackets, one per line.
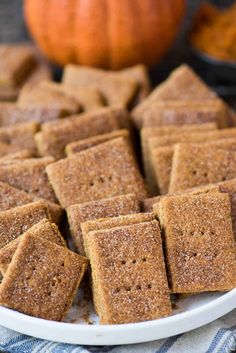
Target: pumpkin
[108, 34]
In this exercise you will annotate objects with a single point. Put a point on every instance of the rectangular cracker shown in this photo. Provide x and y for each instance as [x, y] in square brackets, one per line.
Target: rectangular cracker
[182, 84]
[106, 170]
[115, 89]
[21, 154]
[29, 175]
[199, 164]
[42, 278]
[155, 132]
[11, 114]
[17, 220]
[139, 74]
[110, 207]
[20, 135]
[12, 197]
[88, 98]
[186, 112]
[43, 229]
[128, 274]
[200, 248]
[16, 62]
[78, 146]
[47, 97]
[112, 222]
[53, 139]
[161, 161]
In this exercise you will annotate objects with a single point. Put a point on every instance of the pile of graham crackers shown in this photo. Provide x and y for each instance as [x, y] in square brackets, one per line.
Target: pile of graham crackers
[70, 173]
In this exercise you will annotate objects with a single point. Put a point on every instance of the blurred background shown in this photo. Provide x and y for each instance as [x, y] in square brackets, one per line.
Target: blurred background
[13, 29]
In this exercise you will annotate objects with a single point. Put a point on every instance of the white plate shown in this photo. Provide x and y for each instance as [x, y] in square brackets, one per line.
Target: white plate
[191, 313]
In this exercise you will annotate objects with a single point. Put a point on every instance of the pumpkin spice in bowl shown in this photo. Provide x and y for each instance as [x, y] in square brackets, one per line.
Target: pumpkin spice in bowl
[213, 38]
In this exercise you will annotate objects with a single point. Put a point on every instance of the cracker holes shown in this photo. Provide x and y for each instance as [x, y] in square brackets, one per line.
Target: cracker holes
[205, 175]
[91, 183]
[129, 289]
[194, 172]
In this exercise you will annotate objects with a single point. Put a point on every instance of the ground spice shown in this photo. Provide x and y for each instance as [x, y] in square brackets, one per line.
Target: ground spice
[214, 32]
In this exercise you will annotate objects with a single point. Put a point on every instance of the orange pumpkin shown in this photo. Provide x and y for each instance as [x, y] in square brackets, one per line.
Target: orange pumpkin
[104, 33]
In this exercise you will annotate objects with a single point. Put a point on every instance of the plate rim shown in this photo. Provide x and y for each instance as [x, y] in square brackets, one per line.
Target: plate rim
[100, 332]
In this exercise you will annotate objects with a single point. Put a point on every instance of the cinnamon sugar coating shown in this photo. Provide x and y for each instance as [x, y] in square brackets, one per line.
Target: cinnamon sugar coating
[20, 136]
[116, 90]
[12, 197]
[17, 61]
[110, 207]
[199, 164]
[182, 84]
[17, 220]
[200, 248]
[42, 278]
[186, 112]
[21, 154]
[112, 222]
[78, 146]
[156, 132]
[11, 114]
[106, 170]
[43, 229]
[29, 175]
[54, 137]
[128, 274]
[40, 96]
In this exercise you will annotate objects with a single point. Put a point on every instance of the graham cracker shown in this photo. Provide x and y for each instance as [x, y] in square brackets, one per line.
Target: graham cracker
[12, 197]
[87, 98]
[16, 62]
[182, 84]
[22, 154]
[40, 96]
[186, 112]
[42, 278]
[161, 158]
[20, 135]
[199, 242]
[11, 114]
[110, 207]
[29, 175]
[128, 274]
[106, 170]
[147, 204]
[78, 146]
[115, 89]
[155, 132]
[43, 229]
[16, 221]
[139, 74]
[199, 164]
[112, 222]
[53, 139]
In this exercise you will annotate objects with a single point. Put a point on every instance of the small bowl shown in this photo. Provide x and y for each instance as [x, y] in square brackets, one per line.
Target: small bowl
[221, 68]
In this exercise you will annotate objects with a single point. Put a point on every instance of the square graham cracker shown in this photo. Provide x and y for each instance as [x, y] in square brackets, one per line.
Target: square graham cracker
[182, 84]
[54, 137]
[158, 132]
[16, 221]
[198, 164]
[186, 112]
[200, 248]
[17, 61]
[106, 170]
[161, 158]
[110, 207]
[116, 90]
[128, 274]
[45, 96]
[20, 135]
[29, 175]
[12, 197]
[42, 278]
[43, 229]
[78, 146]
[112, 222]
